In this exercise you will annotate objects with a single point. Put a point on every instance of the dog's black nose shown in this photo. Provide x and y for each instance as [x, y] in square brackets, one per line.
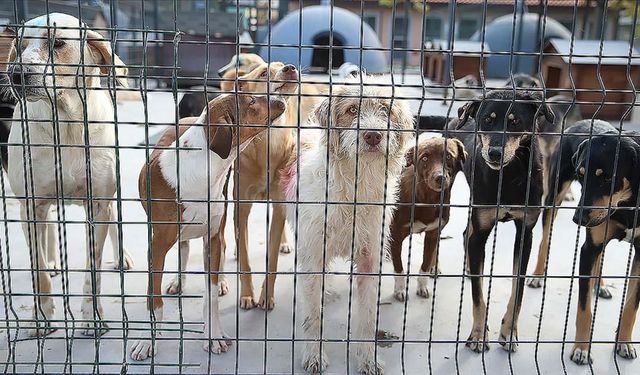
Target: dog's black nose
[440, 180]
[495, 154]
[581, 218]
[372, 138]
[289, 67]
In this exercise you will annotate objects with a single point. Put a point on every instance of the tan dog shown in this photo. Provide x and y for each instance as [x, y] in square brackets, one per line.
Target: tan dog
[202, 209]
[279, 147]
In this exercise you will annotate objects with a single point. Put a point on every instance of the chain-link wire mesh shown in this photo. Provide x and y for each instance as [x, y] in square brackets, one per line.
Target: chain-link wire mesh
[318, 143]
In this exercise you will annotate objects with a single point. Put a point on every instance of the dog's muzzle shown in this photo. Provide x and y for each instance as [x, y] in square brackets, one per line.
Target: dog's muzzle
[22, 81]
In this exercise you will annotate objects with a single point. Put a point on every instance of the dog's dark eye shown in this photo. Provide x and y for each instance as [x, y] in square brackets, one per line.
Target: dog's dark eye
[488, 120]
[449, 157]
[264, 74]
[385, 109]
[353, 109]
[424, 159]
[252, 100]
[58, 43]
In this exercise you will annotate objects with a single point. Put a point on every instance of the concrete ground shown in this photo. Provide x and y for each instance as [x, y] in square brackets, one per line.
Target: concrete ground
[433, 330]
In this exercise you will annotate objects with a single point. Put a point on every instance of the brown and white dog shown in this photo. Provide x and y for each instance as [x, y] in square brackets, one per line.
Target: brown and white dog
[366, 130]
[431, 168]
[201, 194]
[56, 103]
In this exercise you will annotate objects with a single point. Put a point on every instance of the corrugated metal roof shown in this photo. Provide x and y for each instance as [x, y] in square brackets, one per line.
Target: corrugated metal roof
[614, 52]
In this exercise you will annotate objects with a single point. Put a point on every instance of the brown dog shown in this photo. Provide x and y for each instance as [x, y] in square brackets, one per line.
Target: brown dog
[432, 169]
[278, 146]
[188, 204]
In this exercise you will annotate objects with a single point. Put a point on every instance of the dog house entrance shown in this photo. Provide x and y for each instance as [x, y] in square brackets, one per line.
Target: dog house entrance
[320, 57]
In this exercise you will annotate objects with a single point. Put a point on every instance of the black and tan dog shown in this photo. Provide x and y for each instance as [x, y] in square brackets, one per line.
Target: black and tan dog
[504, 173]
[609, 210]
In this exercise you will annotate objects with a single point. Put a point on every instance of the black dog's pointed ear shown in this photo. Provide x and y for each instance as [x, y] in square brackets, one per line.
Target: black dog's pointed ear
[468, 110]
[578, 156]
[542, 109]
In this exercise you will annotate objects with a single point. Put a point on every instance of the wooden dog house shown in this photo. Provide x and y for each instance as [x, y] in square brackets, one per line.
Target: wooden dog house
[619, 67]
[467, 58]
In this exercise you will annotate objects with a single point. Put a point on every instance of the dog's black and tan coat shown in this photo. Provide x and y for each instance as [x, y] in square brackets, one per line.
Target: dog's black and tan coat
[504, 172]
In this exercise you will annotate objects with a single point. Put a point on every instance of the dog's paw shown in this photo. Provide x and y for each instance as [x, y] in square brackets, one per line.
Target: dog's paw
[266, 303]
[315, 364]
[93, 329]
[127, 262]
[580, 355]
[400, 287]
[40, 328]
[626, 350]
[217, 346]
[400, 295]
[371, 367]
[603, 291]
[176, 286]
[141, 350]
[535, 282]
[423, 287]
[508, 342]
[247, 302]
[223, 286]
[286, 248]
[477, 342]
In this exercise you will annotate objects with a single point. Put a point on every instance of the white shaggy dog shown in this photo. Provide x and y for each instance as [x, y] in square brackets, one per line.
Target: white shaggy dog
[372, 130]
[61, 102]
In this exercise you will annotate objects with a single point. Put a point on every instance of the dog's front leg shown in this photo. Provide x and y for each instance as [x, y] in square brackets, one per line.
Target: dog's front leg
[624, 347]
[36, 234]
[476, 240]
[509, 329]
[314, 359]
[365, 312]
[267, 296]
[217, 341]
[92, 312]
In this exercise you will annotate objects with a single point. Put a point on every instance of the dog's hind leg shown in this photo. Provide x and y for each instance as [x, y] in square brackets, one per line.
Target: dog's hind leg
[35, 231]
[624, 347]
[53, 258]
[127, 261]
[521, 252]
[267, 299]
[180, 280]
[92, 312]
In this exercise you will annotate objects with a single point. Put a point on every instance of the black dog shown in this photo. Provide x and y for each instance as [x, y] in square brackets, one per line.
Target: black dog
[193, 102]
[608, 209]
[561, 169]
[501, 187]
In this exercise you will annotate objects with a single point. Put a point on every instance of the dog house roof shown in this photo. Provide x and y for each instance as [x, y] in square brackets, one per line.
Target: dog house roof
[614, 52]
[316, 21]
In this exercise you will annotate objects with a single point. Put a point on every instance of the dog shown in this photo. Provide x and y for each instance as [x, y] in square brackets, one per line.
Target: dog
[219, 144]
[7, 105]
[607, 168]
[256, 177]
[62, 175]
[431, 168]
[504, 122]
[243, 62]
[465, 88]
[372, 132]
[194, 101]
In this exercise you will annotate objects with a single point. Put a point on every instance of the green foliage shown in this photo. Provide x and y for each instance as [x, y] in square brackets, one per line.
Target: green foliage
[417, 5]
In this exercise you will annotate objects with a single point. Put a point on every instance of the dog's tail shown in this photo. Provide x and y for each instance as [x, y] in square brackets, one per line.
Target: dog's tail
[431, 122]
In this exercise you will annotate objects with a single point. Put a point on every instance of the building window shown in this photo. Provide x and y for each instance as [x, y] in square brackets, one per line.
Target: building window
[400, 35]
[467, 27]
[371, 20]
[433, 28]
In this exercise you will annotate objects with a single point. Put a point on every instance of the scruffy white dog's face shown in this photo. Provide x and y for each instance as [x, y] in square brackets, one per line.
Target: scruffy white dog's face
[58, 47]
[364, 120]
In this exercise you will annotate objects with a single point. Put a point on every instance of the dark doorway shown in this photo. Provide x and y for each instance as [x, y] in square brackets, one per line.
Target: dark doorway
[320, 57]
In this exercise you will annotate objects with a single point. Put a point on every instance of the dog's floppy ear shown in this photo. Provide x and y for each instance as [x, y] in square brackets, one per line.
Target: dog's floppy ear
[540, 108]
[220, 136]
[462, 152]
[578, 156]
[410, 156]
[107, 58]
[468, 110]
[322, 112]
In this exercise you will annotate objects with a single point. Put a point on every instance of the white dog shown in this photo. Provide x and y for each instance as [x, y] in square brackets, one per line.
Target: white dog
[56, 68]
[372, 130]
